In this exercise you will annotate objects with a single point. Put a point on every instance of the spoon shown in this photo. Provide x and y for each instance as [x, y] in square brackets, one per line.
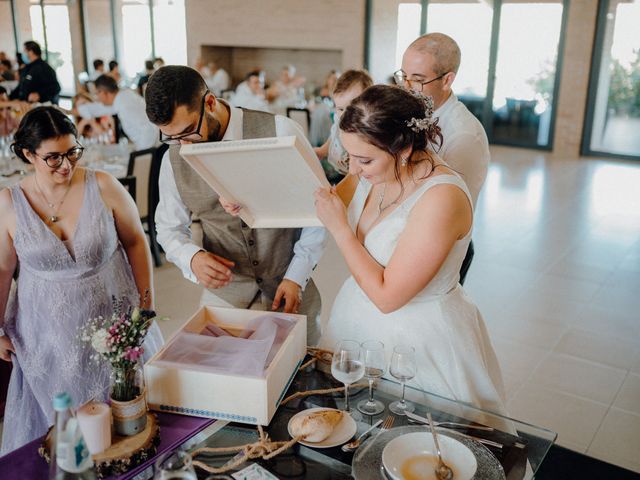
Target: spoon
[443, 471]
[351, 446]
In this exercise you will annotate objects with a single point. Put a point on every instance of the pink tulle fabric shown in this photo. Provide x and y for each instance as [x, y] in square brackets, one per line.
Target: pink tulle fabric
[216, 350]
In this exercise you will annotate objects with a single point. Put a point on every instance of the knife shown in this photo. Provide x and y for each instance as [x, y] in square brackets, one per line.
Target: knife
[424, 421]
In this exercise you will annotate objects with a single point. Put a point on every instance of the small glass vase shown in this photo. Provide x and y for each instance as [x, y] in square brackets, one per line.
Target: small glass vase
[128, 399]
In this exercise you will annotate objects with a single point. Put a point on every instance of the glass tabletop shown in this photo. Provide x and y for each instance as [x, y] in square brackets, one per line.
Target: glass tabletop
[523, 446]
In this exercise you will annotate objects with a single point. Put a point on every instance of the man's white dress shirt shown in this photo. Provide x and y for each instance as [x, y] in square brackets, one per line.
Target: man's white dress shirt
[465, 147]
[130, 108]
[173, 218]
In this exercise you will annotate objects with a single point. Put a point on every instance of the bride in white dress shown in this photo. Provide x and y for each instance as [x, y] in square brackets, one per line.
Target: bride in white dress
[404, 233]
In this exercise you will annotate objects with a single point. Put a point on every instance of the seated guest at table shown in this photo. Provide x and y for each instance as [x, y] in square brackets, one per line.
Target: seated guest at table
[218, 79]
[114, 71]
[90, 127]
[285, 91]
[98, 69]
[8, 118]
[350, 84]
[144, 76]
[38, 81]
[329, 85]
[404, 233]
[259, 268]
[77, 236]
[7, 74]
[130, 108]
[250, 94]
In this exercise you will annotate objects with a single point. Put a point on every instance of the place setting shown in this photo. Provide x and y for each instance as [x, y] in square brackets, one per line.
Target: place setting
[387, 447]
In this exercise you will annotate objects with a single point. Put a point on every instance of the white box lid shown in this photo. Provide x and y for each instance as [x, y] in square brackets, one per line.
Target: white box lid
[272, 178]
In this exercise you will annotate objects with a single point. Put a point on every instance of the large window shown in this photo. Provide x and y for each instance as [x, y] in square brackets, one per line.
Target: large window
[170, 31]
[613, 115]
[474, 39]
[507, 76]
[50, 28]
[7, 34]
[525, 72]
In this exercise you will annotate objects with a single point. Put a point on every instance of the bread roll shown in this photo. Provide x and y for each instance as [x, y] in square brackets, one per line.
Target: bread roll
[316, 426]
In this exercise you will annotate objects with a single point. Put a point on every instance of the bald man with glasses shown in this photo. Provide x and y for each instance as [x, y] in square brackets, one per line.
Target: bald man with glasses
[430, 65]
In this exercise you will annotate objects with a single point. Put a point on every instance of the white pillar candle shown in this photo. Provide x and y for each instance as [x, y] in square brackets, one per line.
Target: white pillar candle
[95, 422]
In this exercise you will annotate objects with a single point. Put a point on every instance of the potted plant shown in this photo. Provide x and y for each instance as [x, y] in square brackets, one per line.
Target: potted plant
[118, 340]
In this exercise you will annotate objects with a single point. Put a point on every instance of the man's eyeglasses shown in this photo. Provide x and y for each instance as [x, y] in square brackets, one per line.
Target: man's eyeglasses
[417, 85]
[193, 136]
[55, 159]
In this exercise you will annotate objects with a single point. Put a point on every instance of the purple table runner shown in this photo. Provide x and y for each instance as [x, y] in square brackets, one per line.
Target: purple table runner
[25, 463]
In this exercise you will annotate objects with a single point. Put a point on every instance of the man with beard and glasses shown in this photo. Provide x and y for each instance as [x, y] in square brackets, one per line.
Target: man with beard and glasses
[238, 266]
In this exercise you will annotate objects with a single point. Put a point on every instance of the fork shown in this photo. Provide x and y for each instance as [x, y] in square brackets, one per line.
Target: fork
[386, 425]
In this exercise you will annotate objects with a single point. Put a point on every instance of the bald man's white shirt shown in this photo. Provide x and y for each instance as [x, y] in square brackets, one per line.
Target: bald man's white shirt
[465, 146]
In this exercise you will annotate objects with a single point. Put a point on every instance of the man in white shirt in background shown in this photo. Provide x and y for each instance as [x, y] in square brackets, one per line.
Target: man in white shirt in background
[261, 268]
[128, 106]
[250, 94]
[429, 66]
[217, 79]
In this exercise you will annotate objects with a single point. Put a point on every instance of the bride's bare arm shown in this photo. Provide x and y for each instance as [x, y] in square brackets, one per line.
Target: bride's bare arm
[441, 216]
[131, 234]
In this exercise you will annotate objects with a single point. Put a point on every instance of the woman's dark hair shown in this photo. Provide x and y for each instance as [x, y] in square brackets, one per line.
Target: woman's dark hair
[380, 116]
[38, 125]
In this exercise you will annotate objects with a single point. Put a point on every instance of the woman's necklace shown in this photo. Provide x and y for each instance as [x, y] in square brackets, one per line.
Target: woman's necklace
[53, 218]
[381, 200]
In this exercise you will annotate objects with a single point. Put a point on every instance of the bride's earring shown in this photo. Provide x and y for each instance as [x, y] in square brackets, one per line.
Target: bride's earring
[403, 162]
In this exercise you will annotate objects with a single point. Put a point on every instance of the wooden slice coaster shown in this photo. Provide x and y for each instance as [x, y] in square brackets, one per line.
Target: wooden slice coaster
[124, 453]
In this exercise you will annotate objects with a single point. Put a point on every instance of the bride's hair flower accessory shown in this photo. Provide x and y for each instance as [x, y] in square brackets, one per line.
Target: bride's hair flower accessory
[421, 124]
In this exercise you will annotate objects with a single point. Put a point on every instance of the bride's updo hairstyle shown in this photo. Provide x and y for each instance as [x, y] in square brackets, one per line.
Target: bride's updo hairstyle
[393, 119]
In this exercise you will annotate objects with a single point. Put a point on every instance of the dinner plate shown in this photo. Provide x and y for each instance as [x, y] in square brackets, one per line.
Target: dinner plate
[342, 433]
[367, 460]
[413, 455]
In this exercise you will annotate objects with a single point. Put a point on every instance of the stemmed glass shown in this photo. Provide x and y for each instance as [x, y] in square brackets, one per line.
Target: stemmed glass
[374, 367]
[403, 368]
[174, 465]
[347, 366]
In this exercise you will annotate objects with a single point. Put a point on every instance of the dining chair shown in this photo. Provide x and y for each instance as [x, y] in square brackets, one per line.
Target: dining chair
[302, 116]
[141, 165]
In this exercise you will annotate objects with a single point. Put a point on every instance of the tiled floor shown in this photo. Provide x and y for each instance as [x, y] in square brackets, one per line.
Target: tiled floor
[557, 277]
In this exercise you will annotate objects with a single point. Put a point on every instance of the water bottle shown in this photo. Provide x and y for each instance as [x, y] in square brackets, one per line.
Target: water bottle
[69, 456]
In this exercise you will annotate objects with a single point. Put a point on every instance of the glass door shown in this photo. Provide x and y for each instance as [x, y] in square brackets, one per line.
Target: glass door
[473, 36]
[50, 28]
[613, 117]
[525, 72]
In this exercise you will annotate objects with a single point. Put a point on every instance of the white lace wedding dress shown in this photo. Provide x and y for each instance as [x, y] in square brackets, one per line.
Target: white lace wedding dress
[454, 355]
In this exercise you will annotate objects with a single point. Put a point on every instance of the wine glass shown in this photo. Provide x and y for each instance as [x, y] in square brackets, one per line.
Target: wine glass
[174, 465]
[347, 366]
[374, 367]
[403, 368]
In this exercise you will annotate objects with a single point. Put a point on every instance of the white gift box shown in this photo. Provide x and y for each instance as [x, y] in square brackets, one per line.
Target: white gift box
[272, 178]
[198, 392]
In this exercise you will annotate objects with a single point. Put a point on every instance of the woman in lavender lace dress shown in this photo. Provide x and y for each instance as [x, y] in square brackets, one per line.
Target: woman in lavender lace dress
[78, 241]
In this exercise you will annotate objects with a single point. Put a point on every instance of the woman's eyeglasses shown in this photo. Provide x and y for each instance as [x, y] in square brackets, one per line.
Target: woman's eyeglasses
[54, 160]
[194, 136]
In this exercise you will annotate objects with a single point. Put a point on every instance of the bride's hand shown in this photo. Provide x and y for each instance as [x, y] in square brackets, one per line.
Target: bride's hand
[330, 210]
